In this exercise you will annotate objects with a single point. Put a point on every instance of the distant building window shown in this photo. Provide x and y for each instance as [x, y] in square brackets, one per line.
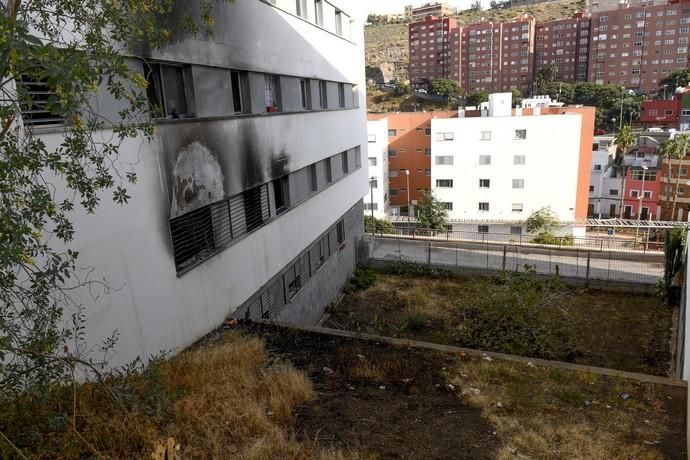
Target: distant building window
[448, 205]
[392, 132]
[371, 207]
[591, 188]
[318, 8]
[340, 232]
[427, 172]
[517, 207]
[484, 159]
[515, 230]
[634, 193]
[329, 170]
[427, 152]
[520, 134]
[484, 183]
[519, 159]
[444, 136]
[371, 138]
[613, 192]
[427, 131]
[341, 95]
[444, 183]
[338, 22]
[597, 167]
[372, 161]
[482, 228]
[668, 112]
[313, 181]
[483, 206]
[346, 164]
[393, 192]
[393, 173]
[518, 183]
[392, 153]
[444, 160]
[485, 135]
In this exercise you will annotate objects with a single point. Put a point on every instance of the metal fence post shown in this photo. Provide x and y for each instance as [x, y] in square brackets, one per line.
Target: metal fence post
[589, 254]
[505, 249]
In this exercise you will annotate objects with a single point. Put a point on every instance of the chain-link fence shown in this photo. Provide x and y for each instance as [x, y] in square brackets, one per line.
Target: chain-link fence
[590, 265]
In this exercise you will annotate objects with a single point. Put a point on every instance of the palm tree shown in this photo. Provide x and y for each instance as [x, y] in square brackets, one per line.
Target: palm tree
[624, 139]
[664, 150]
[679, 148]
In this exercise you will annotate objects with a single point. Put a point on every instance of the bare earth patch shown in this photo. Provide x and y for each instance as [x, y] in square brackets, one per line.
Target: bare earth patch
[389, 402]
[616, 330]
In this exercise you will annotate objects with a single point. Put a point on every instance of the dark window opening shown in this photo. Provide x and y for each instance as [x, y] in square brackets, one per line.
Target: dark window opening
[323, 94]
[341, 95]
[313, 181]
[346, 166]
[281, 194]
[305, 91]
[167, 90]
[329, 171]
[240, 99]
[340, 232]
[272, 93]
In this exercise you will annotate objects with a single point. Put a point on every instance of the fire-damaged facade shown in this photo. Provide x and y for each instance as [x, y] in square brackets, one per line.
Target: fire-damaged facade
[248, 202]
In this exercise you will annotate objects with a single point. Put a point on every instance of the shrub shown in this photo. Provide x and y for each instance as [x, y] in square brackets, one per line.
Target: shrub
[411, 269]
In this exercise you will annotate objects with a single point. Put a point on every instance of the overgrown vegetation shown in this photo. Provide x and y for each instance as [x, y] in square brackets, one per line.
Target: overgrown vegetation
[225, 399]
[543, 222]
[432, 214]
[516, 312]
[379, 225]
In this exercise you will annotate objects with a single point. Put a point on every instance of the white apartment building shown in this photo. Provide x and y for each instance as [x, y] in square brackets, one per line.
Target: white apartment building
[605, 184]
[377, 132]
[493, 171]
[249, 198]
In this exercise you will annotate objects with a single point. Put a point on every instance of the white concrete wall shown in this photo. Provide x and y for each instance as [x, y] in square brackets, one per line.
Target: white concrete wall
[377, 132]
[153, 308]
[550, 172]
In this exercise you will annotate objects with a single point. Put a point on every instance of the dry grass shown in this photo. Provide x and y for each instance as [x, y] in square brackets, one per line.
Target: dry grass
[549, 413]
[225, 400]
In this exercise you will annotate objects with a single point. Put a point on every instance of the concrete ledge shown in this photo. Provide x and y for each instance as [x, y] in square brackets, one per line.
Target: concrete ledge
[469, 351]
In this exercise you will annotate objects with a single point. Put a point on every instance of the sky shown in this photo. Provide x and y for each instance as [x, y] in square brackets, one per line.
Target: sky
[398, 6]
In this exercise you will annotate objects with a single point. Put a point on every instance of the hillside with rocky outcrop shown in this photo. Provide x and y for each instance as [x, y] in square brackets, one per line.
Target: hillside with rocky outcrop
[387, 52]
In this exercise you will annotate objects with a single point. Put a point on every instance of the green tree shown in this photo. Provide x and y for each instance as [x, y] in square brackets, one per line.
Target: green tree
[477, 98]
[74, 49]
[517, 96]
[679, 78]
[449, 89]
[545, 75]
[624, 138]
[381, 226]
[431, 213]
[543, 222]
[401, 88]
[476, 6]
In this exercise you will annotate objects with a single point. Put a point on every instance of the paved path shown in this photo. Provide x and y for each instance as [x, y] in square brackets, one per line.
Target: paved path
[603, 266]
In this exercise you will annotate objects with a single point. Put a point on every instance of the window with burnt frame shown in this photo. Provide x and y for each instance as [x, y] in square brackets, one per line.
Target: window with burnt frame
[169, 90]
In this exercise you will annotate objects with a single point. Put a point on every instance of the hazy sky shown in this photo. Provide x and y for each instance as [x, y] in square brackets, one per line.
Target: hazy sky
[397, 6]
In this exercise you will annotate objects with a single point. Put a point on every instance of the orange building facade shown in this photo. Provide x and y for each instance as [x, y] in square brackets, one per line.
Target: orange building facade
[409, 149]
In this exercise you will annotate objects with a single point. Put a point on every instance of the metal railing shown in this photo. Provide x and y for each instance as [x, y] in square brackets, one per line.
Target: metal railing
[642, 245]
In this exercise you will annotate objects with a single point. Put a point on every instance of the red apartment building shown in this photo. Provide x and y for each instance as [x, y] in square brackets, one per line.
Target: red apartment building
[517, 54]
[564, 42]
[642, 190]
[430, 50]
[636, 47]
[480, 57]
[660, 113]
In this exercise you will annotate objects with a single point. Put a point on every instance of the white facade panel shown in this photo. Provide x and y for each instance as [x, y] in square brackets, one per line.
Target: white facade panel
[377, 162]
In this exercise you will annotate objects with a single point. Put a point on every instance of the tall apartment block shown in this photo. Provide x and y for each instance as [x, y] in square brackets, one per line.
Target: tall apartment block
[480, 57]
[565, 43]
[517, 54]
[430, 50]
[637, 47]
[249, 198]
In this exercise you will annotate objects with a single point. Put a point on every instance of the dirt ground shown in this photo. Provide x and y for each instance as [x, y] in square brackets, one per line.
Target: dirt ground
[385, 402]
[616, 330]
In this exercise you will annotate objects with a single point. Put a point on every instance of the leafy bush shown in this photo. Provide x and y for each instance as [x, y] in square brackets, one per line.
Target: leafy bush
[381, 226]
[548, 238]
[363, 278]
[406, 268]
